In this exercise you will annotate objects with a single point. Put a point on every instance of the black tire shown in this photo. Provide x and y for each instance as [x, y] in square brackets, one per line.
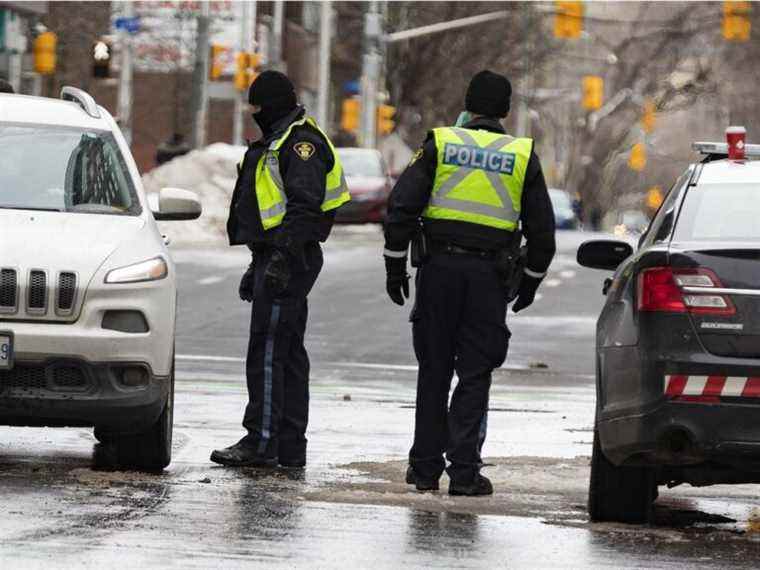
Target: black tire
[619, 494]
[152, 449]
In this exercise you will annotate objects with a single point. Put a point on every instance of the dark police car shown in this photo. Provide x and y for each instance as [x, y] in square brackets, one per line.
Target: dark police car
[678, 341]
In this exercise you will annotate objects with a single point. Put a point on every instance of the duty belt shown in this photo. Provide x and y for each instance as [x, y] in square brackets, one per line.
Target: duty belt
[453, 249]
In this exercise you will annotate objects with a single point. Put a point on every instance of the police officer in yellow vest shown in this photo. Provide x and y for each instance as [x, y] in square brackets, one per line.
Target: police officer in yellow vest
[471, 189]
[289, 185]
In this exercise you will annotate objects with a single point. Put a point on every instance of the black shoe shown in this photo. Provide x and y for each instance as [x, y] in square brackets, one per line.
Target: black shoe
[293, 463]
[479, 486]
[240, 455]
[418, 482]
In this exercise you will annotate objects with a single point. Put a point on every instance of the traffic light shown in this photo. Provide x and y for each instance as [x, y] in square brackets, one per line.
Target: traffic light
[216, 61]
[246, 65]
[736, 22]
[568, 20]
[349, 117]
[44, 53]
[593, 92]
[101, 59]
[654, 198]
[649, 116]
[638, 158]
[385, 122]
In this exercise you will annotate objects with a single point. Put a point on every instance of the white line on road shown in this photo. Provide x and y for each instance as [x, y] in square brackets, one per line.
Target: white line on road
[204, 358]
[552, 283]
[367, 365]
[210, 280]
[567, 274]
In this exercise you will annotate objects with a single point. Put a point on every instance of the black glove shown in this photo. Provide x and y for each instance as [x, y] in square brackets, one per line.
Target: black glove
[526, 293]
[246, 285]
[277, 274]
[397, 279]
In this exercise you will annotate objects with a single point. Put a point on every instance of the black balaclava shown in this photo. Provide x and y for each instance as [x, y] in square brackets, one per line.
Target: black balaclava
[488, 94]
[275, 93]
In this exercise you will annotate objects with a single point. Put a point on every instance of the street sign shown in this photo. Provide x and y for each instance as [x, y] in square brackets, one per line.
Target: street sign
[129, 25]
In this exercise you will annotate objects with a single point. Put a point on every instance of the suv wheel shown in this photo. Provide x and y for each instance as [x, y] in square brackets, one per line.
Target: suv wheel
[150, 450]
[619, 494]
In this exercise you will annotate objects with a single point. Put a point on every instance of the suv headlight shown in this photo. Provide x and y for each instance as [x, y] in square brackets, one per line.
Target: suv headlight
[150, 270]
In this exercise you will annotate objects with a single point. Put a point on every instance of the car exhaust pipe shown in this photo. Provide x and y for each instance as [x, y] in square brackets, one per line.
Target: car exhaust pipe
[676, 445]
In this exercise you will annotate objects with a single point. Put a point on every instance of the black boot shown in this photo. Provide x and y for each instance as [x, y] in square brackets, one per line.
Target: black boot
[479, 486]
[240, 455]
[419, 483]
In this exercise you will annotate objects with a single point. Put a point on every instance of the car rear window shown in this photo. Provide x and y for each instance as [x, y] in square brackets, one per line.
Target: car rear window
[720, 212]
[64, 169]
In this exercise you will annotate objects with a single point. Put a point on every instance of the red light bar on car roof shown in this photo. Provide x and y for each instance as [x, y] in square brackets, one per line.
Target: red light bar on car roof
[722, 148]
[734, 147]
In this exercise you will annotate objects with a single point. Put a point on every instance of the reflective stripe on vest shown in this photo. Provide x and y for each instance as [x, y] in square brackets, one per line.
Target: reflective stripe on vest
[270, 188]
[479, 177]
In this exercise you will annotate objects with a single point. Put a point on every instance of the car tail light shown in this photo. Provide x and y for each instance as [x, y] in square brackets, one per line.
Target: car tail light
[661, 290]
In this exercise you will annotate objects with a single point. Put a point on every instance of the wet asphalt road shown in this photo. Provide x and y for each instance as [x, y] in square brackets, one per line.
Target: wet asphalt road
[350, 507]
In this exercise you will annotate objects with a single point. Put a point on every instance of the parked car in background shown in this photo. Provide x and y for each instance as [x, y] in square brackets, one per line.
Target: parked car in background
[564, 215]
[630, 222]
[368, 183]
[88, 290]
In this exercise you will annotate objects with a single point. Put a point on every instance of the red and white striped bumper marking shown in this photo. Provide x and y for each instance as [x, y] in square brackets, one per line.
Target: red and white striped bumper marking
[714, 386]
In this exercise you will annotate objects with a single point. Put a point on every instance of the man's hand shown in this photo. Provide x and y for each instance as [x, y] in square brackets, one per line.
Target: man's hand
[527, 293]
[277, 274]
[397, 279]
[246, 285]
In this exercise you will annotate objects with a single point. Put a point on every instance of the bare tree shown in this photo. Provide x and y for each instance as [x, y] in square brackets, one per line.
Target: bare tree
[660, 58]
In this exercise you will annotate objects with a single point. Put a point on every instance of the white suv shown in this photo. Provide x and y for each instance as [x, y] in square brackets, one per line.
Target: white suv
[87, 286]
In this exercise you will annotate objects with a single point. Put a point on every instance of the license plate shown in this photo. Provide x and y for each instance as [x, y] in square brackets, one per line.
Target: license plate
[6, 350]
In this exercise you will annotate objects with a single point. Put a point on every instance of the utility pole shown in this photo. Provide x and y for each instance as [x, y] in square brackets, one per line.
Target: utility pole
[125, 75]
[371, 65]
[325, 40]
[246, 45]
[200, 76]
[277, 26]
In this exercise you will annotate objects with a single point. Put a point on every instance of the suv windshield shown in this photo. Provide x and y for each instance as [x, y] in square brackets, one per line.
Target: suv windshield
[727, 212]
[63, 169]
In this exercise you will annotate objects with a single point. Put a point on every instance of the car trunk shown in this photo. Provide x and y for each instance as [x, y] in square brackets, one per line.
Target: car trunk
[736, 266]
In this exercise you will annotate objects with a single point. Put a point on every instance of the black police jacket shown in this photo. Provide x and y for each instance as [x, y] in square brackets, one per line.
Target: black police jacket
[411, 195]
[304, 178]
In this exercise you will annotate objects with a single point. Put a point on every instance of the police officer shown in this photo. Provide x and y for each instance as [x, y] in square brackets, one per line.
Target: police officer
[470, 189]
[289, 185]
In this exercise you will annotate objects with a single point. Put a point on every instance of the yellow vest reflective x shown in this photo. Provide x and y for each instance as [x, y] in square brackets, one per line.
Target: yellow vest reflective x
[270, 192]
[479, 178]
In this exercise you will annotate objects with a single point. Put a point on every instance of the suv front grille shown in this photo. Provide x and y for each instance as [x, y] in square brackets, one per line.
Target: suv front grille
[37, 293]
[24, 377]
[67, 287]
[8, 290]
[37, 299]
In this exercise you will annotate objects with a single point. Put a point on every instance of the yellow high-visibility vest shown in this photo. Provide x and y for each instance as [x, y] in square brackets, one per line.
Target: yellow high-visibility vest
[270, 192]
[479, 177]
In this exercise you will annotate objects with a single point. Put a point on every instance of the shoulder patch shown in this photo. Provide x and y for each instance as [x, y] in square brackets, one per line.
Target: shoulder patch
[304, 150]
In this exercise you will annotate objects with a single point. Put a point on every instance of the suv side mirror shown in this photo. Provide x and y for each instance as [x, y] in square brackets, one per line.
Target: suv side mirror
[604, 253]
[175, 204]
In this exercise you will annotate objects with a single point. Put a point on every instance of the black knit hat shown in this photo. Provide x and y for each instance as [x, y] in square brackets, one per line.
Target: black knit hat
[274, 92]
[269, 86]
[488, 94]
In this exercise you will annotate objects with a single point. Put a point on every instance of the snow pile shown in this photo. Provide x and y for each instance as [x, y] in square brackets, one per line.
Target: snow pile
[210, 173]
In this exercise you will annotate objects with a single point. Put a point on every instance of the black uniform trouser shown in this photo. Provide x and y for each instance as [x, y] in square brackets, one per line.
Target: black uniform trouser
[459, 325]
[277, 366]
